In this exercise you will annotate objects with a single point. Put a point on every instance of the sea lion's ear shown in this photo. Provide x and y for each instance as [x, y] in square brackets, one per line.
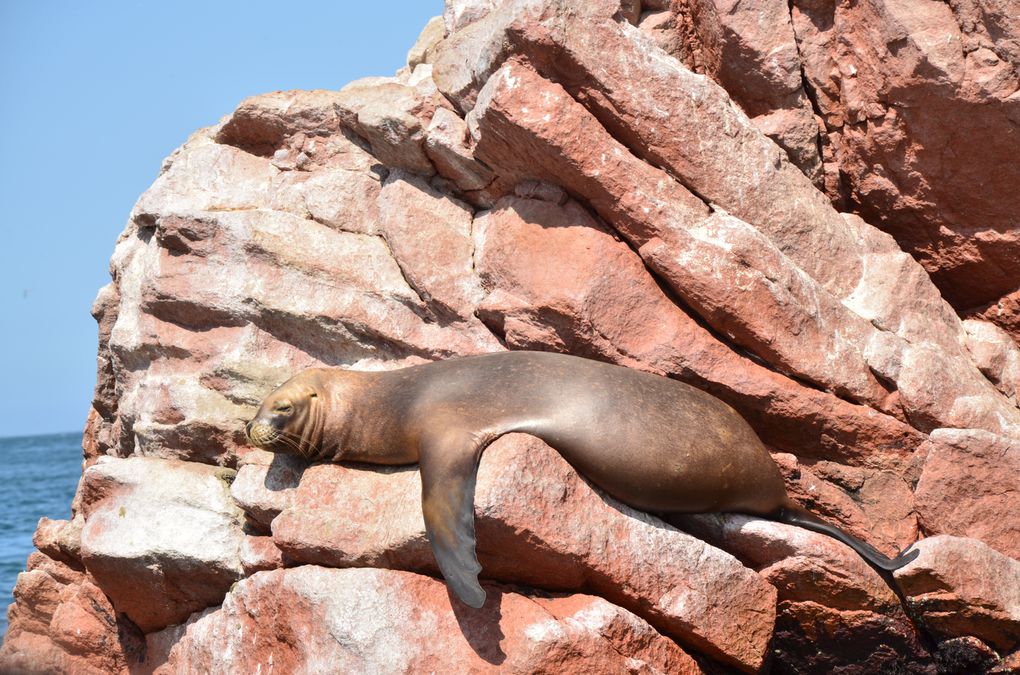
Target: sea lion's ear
[449, 463]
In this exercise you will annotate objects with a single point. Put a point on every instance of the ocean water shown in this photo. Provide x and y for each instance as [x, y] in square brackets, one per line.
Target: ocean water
[39, 475]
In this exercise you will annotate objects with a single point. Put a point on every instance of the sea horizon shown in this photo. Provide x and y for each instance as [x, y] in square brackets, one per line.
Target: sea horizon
[6, 437]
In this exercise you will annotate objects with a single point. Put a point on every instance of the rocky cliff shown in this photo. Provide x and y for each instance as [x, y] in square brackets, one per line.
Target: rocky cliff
[806, 209]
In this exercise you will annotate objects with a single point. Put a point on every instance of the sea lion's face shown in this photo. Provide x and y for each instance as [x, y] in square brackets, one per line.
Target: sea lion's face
[287, 418]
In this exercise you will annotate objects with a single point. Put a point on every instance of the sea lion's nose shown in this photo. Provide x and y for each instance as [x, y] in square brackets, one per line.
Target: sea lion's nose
[247, 428]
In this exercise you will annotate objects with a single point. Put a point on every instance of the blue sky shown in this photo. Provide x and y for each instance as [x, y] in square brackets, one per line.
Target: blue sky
[93, 96]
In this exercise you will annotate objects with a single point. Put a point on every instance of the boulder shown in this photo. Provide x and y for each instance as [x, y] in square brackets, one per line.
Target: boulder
[431, 35]
[265, 485]
[833, 608]
[996, 354]
[961, 587]
[530, 529]
[715, 263]
[919, 130]
[225, 291]
[62, 621]
[968, 488]
[370, 620]
[391, 117]
[162, 538]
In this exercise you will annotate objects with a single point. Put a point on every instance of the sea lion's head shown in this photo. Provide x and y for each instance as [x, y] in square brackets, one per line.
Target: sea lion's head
[289, 419]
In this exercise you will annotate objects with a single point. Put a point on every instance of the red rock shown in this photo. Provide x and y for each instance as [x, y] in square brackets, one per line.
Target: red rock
[795, 130]
[659, 25]
[530, 530]
[391, 116]
[707, 256]
[62, 622]
[922, 130]
[804, 566]
[833, 608]
[365, 620]
[265, 485]
[680, 226]
[164, 539]
[996, 354]
[962, 587]
[430, 237]
[885, 500]
[477, 40]
[60, 539]
[702, 156]
[1005, 312]
[752, 52]
[881, 510]
[968, 488]
[217, 307]
[258, 554]
[270, 122]
[447, 147]
[459, 13]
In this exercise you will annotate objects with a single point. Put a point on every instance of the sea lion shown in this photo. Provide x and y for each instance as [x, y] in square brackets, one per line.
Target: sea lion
[651, 442]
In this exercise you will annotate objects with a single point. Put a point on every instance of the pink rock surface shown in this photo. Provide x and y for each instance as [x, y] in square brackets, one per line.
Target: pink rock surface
[969, 488]
[448, 146]
[388, 114]
[311, 619]
[265, 485]
[431, 35]
[63, 622]
[717, 263]
[557, 277]
[996, 354]
[217, 301]
[529, 530]
[902, 115]
[921, 129]
[1005, 313]
[60, 539]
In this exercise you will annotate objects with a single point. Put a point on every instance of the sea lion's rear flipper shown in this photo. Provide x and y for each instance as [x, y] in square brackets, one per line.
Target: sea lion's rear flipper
[794, 514]
[449, 463]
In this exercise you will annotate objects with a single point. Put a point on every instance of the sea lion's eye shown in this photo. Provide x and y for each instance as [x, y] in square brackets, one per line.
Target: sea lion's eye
[313, 395]
[284, 408]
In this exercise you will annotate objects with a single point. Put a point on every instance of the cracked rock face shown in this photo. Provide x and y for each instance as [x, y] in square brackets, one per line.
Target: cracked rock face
[787, 205]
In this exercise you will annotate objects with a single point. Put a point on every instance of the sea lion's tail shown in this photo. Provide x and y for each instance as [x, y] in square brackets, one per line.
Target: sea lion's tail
[793, 513]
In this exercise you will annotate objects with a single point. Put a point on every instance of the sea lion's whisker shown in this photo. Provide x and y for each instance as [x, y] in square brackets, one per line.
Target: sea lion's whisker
[289, 442]
[302, 444]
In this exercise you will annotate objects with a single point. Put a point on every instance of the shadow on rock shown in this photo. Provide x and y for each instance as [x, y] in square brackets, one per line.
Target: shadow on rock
[284, 472]
[481, 627]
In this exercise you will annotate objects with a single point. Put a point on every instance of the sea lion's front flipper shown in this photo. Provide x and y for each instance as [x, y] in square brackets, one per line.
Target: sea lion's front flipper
[449, 463]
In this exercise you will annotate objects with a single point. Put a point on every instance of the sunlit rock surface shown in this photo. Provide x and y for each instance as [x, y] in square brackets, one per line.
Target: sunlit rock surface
[806, 209]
